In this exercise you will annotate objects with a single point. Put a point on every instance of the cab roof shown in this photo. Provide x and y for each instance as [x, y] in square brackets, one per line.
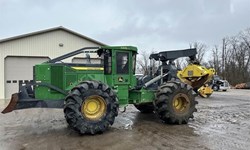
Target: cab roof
[128, 48]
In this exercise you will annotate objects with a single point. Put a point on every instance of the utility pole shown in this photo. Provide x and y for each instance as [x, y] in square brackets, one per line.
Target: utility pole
[223, 57]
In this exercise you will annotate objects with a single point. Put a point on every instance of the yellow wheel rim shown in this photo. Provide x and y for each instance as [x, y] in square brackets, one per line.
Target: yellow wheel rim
[94, 107]
[181, 103]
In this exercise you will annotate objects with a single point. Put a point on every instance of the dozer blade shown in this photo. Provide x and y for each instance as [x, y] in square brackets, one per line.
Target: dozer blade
[23, 100]
[12, 105]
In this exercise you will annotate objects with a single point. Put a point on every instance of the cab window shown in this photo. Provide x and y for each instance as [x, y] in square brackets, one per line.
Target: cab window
[122, 62]
[107, 62]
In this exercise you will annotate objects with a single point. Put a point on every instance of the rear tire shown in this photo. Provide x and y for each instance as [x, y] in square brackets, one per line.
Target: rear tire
[145, 107]
[91, 107]
[175, 102]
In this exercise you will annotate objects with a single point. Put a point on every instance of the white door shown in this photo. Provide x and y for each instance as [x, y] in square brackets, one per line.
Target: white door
[19, 69]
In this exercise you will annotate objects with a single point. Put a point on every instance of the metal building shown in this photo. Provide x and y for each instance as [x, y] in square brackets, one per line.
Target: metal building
[19, 54]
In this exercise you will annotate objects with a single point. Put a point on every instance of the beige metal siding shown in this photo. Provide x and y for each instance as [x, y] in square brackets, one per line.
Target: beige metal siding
[44, 45]
[1, 76]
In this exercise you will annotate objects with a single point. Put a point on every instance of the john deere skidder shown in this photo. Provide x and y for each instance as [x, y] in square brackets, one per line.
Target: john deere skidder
[90, 94]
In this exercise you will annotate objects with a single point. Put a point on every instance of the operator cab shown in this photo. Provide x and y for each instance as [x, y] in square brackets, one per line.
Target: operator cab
[118, 60]
[119, 69]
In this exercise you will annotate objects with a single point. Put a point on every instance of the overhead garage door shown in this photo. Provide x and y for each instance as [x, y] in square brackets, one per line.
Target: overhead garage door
[19, 69]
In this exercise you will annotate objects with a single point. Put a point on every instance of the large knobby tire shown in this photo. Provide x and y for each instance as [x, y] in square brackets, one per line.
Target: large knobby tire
[145, 107]
[91, 107]
[175, 102]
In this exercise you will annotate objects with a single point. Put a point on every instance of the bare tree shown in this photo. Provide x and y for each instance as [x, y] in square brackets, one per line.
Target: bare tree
[245, 35]
[225, 56]
[143, 63]
[201, 50]
[232, 61]
[216, 60]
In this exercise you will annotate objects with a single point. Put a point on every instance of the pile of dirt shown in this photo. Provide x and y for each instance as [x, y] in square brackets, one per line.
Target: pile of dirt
[243, 86]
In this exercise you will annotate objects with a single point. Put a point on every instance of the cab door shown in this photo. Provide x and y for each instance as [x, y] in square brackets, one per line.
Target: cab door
[122, 75]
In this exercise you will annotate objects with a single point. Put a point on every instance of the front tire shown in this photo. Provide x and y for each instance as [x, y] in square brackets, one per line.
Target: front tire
[175, 102]
[91, 107]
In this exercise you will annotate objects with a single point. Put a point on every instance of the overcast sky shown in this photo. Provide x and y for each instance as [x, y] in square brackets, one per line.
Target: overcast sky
[150, 25]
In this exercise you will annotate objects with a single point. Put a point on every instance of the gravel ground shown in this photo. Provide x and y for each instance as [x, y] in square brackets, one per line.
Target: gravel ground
[222, 122]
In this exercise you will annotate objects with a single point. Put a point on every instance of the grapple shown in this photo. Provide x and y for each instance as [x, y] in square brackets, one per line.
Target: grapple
[196, 75]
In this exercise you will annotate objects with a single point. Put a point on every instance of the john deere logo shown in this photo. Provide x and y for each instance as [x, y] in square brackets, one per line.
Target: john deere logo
[120, 79]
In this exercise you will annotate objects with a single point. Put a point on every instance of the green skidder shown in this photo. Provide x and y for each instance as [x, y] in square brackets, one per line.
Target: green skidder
[91, 93]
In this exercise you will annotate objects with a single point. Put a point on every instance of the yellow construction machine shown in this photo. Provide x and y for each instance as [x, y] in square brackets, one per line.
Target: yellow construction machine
[198, 77]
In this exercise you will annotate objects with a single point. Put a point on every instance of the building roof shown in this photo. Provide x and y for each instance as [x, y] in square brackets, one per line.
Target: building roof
[49, 30]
